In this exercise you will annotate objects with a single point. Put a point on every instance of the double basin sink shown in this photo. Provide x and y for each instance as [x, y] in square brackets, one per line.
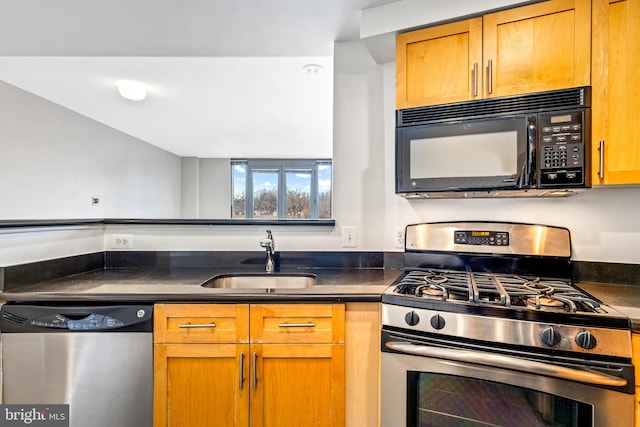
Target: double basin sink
[261, 281]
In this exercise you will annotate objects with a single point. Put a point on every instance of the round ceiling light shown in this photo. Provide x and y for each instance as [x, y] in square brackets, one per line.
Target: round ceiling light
[132, 90]
[312, 69]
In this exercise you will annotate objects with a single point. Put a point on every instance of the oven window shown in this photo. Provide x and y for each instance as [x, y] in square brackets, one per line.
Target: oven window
[445, 400]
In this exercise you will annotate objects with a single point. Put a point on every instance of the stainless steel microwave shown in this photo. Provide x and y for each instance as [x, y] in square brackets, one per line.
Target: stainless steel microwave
[528, 145]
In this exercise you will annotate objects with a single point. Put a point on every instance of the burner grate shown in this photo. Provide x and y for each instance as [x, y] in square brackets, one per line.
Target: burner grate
[496, 289]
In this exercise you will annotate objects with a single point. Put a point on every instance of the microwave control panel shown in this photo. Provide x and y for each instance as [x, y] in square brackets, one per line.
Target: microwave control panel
[562, 148]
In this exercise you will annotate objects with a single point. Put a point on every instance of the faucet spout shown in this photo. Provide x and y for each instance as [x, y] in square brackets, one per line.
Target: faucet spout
[270, 247]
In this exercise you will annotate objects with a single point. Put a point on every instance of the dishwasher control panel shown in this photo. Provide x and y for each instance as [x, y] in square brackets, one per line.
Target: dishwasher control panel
[70, 318]
[90, 322]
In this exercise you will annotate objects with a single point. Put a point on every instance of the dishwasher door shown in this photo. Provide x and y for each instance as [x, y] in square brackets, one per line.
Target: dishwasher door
[104, 373]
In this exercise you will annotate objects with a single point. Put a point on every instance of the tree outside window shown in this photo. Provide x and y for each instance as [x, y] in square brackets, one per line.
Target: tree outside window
[282, 189]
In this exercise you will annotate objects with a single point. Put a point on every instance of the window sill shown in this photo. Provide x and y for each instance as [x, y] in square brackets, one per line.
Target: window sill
[166, 221]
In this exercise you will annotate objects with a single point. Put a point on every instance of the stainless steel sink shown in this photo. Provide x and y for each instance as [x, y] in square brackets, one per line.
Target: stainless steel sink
[261, 281]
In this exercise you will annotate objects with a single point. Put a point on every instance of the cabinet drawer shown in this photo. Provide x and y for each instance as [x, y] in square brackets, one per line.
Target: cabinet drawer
[297, 323]
[201, 323]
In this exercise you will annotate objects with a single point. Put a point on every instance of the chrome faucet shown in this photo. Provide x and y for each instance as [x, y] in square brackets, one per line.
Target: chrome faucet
[270, 246]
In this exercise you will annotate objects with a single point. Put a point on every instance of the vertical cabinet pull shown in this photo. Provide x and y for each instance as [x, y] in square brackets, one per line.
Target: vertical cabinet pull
[475, 79]
[601, 166]
[255, 371]
[490, 76]
[241, 375]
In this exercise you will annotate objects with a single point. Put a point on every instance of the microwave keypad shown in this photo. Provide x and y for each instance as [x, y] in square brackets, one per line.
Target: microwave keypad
[561, 154]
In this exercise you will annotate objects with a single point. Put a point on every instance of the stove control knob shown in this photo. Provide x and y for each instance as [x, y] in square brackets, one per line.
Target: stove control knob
[586, 340]
[550, 336]
[412, 318]
[437, 322]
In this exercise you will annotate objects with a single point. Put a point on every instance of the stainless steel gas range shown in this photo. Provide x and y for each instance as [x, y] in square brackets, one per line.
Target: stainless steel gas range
[487, 328]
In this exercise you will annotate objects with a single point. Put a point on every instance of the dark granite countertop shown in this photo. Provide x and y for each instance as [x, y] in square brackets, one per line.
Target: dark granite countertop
[624, 298]
[183, 284]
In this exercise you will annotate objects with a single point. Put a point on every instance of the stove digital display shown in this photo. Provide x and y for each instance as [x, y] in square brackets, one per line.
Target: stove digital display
[481, 237]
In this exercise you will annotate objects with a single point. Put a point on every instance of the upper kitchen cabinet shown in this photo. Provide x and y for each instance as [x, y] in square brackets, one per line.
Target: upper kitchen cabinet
[616, 92]
[538, 47]
[433, 65]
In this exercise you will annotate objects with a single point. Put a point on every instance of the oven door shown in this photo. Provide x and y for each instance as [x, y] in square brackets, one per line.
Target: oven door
[438, 385]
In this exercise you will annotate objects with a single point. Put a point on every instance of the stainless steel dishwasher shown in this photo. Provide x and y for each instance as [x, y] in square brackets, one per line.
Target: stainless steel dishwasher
[98, 359]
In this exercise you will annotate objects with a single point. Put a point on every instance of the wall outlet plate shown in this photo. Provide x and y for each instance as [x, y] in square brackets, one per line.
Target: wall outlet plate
[349, 236]
[398, 238]
[122, 241]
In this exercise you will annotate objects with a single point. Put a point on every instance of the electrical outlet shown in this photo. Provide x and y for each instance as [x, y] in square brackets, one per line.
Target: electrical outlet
[399, 238]
[122, 241]
[349, 236]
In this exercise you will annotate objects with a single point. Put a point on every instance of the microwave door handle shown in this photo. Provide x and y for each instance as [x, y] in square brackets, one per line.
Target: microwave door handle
[508, 362]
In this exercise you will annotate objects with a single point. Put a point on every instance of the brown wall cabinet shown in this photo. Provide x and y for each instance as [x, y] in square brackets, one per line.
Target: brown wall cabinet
[616, 92]
[538, 47]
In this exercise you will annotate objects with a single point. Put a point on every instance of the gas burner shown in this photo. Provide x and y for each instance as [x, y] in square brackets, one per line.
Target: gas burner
[436, 279]
[538, 287]
[545, 302]
[431, 290]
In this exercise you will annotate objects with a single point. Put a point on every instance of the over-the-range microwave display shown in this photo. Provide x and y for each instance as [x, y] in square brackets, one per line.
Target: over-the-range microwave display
[526, 153]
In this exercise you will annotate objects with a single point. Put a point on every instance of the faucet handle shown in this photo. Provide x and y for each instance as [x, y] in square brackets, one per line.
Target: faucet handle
[267, 242]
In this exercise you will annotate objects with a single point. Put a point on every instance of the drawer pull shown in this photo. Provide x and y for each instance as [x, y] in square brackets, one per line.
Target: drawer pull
[297, 325]
[197, 325]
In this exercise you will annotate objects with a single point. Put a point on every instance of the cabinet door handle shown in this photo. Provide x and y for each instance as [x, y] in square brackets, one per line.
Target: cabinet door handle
[601, 167]
[255, 371]
[475, 79]
[197, 325]
[490, 76]
[241, 370]
[297, 325]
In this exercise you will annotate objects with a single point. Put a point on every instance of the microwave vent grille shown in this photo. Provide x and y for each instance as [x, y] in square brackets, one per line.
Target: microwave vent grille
[531, 103]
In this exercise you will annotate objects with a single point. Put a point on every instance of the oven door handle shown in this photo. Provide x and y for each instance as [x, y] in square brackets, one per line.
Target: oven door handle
[508, 362]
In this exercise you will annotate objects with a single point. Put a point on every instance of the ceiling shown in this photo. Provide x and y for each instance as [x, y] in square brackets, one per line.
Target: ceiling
[224, 77]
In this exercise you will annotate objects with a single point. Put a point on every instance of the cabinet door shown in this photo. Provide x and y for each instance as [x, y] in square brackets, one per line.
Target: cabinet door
[436, 65]
[616, 92]
[201, 385]
[297, 385]
[538, 47]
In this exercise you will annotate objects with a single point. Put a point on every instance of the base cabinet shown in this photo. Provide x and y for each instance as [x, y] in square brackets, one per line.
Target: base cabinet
[274, 365]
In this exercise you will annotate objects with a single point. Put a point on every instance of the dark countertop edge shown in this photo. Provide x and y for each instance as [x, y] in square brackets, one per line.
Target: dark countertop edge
[163, 221]
[191, 298]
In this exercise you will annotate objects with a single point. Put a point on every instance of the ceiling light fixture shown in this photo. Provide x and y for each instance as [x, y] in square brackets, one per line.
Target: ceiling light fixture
[312, 69]
[132, 90]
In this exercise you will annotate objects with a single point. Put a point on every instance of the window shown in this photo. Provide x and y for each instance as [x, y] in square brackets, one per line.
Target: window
[281, 189]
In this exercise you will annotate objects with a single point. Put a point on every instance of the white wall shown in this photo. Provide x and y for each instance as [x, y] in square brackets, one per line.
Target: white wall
[53, 161]
[603, 221]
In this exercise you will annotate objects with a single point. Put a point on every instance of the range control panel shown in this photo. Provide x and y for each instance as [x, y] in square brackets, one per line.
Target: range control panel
[562, 148]
[480, 237]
